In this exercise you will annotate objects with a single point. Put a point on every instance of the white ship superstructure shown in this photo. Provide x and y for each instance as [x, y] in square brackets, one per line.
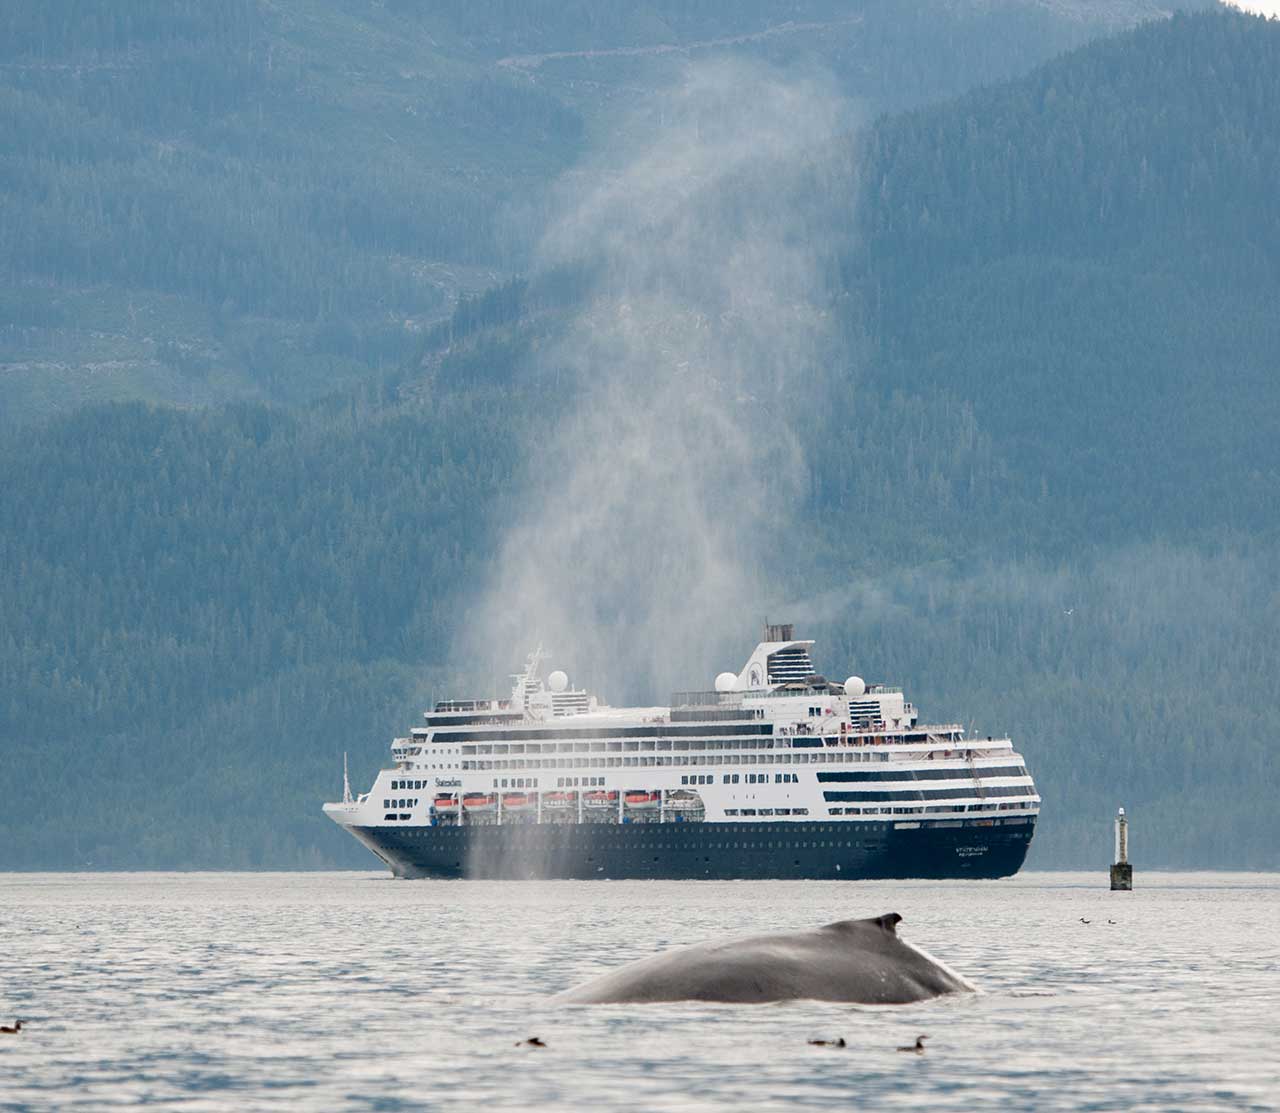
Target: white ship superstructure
[775, 771]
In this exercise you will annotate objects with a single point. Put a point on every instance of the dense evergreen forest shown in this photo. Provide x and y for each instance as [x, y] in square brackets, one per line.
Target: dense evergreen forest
[206, 202]
[1039, 475]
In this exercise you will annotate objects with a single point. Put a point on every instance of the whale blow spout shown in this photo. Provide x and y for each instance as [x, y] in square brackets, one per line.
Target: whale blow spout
[855, 961]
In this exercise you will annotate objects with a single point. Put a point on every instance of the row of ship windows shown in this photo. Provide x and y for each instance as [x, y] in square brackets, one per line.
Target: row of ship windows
[730, 742]
[766, 811]
[951, 808]
[776, 844]
[665, 732]
[610, 835]
[561, 782]
[918, 774]
[784, 778]
[679, 744]
[756, 778]
[650, 762]
[926, 794]
[413, 803]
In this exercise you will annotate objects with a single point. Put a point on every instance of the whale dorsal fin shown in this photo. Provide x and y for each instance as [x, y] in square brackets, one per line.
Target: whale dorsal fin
[888, 922]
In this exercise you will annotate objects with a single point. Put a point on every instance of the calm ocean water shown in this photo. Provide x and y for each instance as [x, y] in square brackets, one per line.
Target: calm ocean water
[326, 991]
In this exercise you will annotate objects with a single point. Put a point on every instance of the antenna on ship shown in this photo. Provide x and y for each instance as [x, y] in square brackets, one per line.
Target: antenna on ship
[346, 783]
[526, 682]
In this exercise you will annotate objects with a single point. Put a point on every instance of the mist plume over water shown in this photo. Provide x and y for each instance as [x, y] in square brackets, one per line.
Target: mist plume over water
[655, 499]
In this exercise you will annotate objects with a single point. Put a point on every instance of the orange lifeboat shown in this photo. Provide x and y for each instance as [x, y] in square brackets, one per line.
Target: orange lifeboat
[600, 798]
[559, 799]
[517, 801]
[446, 803]
[640, 799]
[480, 801]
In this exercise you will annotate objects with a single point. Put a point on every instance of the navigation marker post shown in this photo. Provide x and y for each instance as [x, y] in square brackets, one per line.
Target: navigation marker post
[1121, 870]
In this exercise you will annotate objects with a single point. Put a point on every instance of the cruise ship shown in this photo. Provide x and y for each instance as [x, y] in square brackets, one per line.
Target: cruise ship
[775, 772]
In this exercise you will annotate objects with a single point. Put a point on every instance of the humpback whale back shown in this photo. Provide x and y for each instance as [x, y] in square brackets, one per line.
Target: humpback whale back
[862, 961]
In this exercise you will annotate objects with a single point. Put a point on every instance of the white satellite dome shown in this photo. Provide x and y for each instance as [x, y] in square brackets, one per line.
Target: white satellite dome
[726, 682]
[558, 681]
[855, 686]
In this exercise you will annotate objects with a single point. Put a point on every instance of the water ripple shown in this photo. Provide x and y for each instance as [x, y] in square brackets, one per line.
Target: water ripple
[262, 991]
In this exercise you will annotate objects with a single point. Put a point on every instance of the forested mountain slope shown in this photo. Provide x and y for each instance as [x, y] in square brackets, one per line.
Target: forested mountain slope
[202, 611]
[1039, 492]
[243, 199]
[1091, 257]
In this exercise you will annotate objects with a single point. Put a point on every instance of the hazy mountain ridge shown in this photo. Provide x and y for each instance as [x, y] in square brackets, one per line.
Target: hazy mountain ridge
[270, 200]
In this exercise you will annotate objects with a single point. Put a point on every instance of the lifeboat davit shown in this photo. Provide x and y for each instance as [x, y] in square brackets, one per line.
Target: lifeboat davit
[637, 799]
[600, 799]
[480, 801]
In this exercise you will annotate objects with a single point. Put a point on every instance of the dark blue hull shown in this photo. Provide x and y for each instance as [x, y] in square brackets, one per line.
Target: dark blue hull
[712, 851]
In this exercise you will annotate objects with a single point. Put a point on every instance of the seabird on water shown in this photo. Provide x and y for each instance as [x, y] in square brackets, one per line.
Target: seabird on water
[11, 1031]
[838, 1042]
[917, 1047]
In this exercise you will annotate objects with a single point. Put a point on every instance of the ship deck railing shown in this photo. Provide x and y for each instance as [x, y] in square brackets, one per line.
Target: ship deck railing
[734, 698]
[820, 690]
[879, 735]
